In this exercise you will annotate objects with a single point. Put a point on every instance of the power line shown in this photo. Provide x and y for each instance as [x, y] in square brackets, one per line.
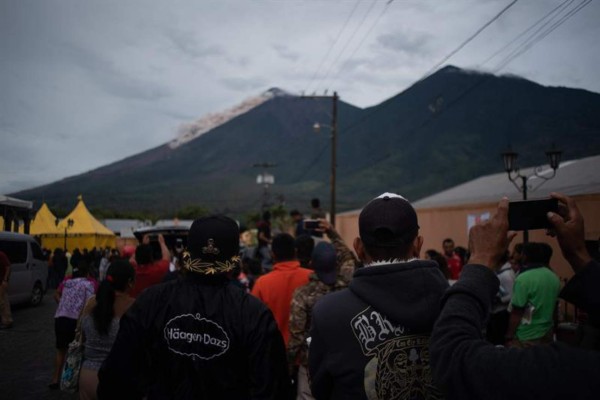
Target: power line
[313, 162]
[332, 45]
[532, 36]
[481, 80]
[349, 41]
[385, 8]
[520, 35]
[469, 39]
[380, 108]
[528, 45]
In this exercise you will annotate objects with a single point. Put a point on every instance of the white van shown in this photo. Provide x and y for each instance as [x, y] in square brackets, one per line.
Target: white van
[28, 268]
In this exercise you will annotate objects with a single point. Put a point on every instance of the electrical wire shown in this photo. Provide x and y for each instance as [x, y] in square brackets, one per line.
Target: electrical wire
[348, 42]
[502, 64]
[376, 21]
[523, 33]
[527, 46]
[385, 105]
[469, 39]
[332, 45]
[460, 96]
[532, 36]
[313, 162]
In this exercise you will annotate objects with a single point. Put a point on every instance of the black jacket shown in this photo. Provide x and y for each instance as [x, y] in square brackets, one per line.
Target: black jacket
[191, 339]
[468, 367]
[371, 340]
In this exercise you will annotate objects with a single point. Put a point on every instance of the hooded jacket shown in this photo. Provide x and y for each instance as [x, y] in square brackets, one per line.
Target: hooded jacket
[371, 341]
[195, 338]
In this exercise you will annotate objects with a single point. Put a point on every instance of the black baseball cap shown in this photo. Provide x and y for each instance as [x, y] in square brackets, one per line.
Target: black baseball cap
[388, 220]
[323, 261]
[213, 239]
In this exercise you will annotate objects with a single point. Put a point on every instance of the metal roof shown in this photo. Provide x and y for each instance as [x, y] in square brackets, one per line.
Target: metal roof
[13, 202]
[575, 177]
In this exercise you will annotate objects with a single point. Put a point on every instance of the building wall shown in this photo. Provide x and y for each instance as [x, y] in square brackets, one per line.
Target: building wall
[442, 222]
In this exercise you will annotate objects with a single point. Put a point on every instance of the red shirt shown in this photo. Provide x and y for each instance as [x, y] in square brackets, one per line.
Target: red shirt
[276, 289]
[148, 275]
[454, 265]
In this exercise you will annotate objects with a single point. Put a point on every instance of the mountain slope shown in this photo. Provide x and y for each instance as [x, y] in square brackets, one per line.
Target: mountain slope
[446, 129]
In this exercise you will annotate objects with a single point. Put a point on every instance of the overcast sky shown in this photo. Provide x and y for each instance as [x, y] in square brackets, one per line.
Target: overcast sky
[86, 83]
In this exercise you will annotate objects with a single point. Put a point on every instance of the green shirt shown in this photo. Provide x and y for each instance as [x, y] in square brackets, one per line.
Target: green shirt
[536, 290]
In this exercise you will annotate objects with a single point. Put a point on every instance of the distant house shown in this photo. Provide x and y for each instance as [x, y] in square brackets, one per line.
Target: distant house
[450, 213]
[124, 228]
[174, 222]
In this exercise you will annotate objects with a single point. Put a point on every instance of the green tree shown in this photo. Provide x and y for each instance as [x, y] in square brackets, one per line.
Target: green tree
[191, 212]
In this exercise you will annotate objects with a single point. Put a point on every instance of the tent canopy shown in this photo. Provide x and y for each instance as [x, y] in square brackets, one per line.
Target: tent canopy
[84, 222]
[86, 232]
[44, 223]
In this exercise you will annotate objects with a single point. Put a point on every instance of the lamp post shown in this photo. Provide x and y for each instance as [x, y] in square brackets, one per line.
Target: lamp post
[68, 225]
[333, 127]
[521, 181]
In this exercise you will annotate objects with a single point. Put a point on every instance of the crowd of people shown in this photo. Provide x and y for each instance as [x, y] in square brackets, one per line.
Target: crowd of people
[303, 316]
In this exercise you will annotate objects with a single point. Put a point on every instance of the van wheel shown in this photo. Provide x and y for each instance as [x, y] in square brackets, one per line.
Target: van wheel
[36, 295]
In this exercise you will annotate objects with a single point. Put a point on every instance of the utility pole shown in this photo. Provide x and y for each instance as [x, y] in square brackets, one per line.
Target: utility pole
[333, 155]
[333, 127]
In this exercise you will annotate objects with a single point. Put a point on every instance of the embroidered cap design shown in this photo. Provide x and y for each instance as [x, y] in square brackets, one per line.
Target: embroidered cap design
[210, 248]
[209, 268]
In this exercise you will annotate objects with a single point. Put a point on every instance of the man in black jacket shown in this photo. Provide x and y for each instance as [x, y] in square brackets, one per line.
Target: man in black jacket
[371, 341]
[198, 337]
[468, 367]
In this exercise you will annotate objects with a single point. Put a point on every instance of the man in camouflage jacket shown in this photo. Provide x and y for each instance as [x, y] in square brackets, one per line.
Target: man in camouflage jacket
[334, 265]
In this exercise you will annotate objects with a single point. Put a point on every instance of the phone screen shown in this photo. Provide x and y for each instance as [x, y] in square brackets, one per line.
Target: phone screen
[310, 224]
[530, 214]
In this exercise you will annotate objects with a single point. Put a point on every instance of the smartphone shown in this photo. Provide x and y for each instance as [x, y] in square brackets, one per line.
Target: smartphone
[179, 245]
[530, 214]
[311, 224]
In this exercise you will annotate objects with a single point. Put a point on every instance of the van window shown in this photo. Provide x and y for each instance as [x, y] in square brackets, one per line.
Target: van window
[15, 251]
[37, 252]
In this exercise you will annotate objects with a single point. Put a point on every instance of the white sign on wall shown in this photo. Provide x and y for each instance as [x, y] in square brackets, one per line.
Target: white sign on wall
[474, 219]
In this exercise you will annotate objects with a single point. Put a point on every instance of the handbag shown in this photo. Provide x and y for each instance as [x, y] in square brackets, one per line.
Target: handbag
[69, 380]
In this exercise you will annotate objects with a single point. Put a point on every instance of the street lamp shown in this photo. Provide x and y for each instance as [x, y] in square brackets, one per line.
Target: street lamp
[68, 225]
[514, 174]
[333, 127]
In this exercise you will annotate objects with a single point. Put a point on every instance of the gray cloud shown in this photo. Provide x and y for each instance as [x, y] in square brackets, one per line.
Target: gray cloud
[285, 53]
[83, 84]
[408, 43]
[244, 84]
[185, 42]
[113, 80]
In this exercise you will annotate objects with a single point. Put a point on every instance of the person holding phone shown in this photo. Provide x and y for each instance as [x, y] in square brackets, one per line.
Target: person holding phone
[149, 272]
[468, 367]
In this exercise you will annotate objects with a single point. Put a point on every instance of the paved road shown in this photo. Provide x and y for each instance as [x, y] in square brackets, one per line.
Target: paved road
[27, 354]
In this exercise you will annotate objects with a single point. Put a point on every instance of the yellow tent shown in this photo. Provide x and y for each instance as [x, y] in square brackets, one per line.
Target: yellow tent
[84, 232]
[44, 223]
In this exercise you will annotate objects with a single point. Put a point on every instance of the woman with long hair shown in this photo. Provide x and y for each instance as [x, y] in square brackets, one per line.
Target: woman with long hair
[100, 322]
[71, 296]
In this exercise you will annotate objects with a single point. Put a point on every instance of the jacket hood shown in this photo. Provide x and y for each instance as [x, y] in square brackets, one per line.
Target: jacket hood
[406, 293]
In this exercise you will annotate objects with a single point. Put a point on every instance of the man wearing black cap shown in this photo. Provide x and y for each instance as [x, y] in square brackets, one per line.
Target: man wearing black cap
[371, 341]
[198, 337]
[324, 280]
